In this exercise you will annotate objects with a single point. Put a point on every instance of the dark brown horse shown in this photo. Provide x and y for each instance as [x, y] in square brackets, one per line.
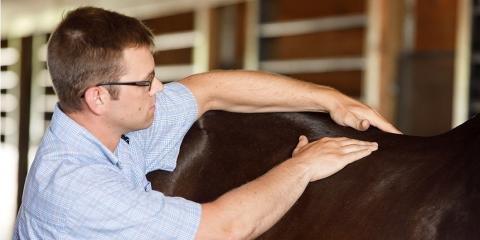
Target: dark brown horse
[411, 188]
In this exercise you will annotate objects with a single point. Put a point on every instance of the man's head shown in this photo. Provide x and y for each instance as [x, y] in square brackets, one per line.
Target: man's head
[87, 49]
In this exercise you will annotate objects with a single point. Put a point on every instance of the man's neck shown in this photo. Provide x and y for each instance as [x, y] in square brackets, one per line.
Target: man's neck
[96, 126]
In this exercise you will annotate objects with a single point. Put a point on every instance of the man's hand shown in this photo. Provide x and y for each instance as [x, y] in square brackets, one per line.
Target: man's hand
[349, 112]
[327, 156]
[249, 210]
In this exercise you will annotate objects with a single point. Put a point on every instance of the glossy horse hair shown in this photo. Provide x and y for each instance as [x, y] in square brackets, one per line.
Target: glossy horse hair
[411, 188]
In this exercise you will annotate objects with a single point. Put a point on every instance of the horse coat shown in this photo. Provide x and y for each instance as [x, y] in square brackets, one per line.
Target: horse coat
[411, 188]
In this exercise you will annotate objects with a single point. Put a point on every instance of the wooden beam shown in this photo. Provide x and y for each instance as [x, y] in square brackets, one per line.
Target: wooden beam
[24, 122]
[384, 35]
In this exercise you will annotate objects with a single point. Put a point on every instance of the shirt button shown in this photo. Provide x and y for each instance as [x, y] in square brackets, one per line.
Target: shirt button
[119, 165]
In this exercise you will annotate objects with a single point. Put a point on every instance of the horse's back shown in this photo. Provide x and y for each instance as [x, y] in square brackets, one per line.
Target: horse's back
[411, 188]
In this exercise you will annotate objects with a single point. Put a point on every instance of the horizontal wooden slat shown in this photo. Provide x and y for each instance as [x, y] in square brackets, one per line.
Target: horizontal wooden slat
[169, 24]
[348, 82]
[176, 56]
[348, 42]
[281, 10]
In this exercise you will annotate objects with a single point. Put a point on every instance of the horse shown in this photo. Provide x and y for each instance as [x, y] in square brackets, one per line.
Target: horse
[410, 188]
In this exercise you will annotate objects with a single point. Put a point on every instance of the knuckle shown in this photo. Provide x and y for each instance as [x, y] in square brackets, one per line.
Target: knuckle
[337, 155]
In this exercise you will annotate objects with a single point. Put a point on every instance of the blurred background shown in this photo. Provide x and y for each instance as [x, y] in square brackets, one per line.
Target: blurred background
[416, 62]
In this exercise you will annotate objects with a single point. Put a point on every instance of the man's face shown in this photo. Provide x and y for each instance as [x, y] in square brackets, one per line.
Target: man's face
[135, 107]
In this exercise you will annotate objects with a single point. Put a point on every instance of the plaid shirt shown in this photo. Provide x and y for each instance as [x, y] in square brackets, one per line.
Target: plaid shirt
[78, 189]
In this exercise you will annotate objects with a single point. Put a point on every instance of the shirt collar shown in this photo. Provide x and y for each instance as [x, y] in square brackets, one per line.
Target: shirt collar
[73, 134]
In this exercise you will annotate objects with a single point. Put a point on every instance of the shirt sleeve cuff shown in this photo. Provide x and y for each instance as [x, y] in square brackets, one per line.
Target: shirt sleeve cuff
[184, 214]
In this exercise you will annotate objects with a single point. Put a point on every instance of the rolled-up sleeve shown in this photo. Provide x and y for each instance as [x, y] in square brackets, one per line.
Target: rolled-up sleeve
[107, 202]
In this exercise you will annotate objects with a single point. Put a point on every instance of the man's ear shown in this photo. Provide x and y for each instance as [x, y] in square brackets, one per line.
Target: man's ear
[96, 98]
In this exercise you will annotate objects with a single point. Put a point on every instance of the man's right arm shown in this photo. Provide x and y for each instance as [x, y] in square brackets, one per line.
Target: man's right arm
[251, 209]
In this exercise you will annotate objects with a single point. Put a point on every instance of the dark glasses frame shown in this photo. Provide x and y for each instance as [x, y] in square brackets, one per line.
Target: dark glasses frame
[143, 83]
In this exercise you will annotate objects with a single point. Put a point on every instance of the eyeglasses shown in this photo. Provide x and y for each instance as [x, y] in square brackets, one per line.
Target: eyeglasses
[137, 83]
[145, 83]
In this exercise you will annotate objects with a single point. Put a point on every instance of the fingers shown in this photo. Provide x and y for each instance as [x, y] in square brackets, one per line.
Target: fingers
[360, 143]
[381, 123]
[328, 155]
[387, 127]
[343, 141]
[357, 155]
[348, 146]
[360, 117]
[349, 149]
[358, 147]
[374, 119]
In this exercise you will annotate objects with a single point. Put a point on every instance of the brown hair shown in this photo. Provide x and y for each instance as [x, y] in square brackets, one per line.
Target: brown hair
[87, 49]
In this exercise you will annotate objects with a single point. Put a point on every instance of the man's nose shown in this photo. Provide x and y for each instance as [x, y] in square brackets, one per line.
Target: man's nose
[156, 86]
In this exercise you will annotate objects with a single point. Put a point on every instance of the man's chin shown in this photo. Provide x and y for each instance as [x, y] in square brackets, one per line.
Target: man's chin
[144, 126]
[149, 123]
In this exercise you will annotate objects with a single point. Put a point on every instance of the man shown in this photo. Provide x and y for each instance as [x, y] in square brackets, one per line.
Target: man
[115, 122]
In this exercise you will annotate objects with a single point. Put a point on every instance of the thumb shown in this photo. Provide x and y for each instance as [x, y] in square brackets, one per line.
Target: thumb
[357, 123]
[302, 141]
[364, 125]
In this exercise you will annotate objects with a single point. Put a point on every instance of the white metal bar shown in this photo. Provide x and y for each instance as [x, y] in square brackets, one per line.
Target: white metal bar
[8, 79]
[201, 43]
[44, 103]
[371, 81]
[173, 72]
[462, 64]
[251, 60]
[9, 56]
[174, 40]
[409, 26]
[280, 29]
[313, 65]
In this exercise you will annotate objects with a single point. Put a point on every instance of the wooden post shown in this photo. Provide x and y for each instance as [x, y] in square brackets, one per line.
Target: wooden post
[384, 36]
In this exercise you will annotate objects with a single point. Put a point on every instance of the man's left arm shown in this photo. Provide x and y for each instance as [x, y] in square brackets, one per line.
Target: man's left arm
[254, 91]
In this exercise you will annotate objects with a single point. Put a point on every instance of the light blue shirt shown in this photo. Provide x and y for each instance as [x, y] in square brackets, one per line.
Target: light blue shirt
[78, 189]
